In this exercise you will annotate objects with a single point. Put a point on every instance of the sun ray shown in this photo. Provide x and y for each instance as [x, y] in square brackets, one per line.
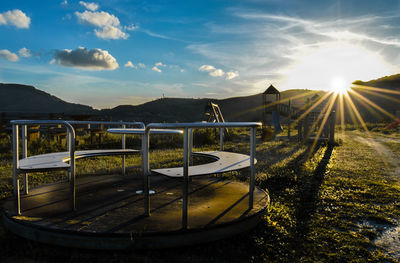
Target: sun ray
[377, 94]
[349, 109]
[370, 109]
[358, 86]
[341, 111]
[379, 108]
[324, 109]
[318, 102]
[358, 115]
[272, 104]
[329, 107]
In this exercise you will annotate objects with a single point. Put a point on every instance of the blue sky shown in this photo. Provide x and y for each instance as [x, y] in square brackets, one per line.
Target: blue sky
[107, 53]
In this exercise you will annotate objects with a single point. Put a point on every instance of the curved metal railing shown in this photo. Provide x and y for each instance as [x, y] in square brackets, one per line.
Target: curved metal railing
[187, 137]
[70, 139]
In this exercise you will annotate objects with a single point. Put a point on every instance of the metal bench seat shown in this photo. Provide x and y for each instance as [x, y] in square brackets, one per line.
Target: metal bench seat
[224, 162]
[59, 160]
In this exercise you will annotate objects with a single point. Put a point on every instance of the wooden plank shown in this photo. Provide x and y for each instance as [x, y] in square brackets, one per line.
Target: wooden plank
[58, 160]
[225, 162]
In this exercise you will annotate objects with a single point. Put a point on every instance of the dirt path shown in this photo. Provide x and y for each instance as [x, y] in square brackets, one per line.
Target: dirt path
[390, 238]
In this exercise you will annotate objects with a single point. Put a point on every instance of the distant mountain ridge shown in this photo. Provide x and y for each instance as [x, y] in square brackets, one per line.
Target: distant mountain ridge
[24, 98]
[388, 82]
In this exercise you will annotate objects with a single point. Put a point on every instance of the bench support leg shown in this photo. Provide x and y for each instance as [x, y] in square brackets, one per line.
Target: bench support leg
[123, 147]
[18, 200]
[185, 178]
[252, 172]
[146, 169]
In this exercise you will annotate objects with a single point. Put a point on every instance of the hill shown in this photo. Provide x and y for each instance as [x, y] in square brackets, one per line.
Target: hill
[246, 108]
[388, 82]
[28, 99]
[384, 92]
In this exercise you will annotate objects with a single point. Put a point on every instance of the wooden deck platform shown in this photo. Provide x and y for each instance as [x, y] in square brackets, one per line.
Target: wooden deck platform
[110, 214]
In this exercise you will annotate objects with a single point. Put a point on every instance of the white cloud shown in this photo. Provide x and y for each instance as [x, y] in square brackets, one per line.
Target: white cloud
[207, 68]
[111, 32]
[231, 75]
[129, 64]
[131, 27]
[141, 65]
[15, 17]
[159, 64]
[65, 2]
[217, 73]
[24, 52]
[156, 69]
[89, 6]
[99, 19]
[108, 25]
[4, 53]
[212, 71]
[93, 59]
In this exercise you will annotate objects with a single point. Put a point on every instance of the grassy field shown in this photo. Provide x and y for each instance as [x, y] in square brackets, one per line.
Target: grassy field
[328, 204]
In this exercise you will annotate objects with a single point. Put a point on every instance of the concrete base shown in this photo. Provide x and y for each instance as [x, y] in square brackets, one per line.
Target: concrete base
[110, 214]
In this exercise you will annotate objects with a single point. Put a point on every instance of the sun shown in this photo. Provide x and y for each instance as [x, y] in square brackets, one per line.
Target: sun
[339, 85]
[333, 66]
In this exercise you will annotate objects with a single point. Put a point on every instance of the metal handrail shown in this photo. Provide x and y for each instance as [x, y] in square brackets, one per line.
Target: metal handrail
[187, 138]
[123, 125]
[71, 149]
[141, 124]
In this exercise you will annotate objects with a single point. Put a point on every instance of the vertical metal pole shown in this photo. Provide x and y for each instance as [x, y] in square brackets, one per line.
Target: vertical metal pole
[15, 166]
[24, 155]
[146, 170]
[185, 178]
[123, 147]
[68, 141]
[72, 170]
[18, 201]
[252, 172]
[190, 146]
[68, 138]
[221, 139]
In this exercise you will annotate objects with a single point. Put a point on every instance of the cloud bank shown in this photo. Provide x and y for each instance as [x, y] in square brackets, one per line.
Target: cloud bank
[16, 18]
[109, 26]
[214, 72]
[25, 53]
[92, 59]
[89, 6]
[6, 54]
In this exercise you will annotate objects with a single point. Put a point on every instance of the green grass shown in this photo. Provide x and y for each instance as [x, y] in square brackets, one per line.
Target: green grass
[326, 206]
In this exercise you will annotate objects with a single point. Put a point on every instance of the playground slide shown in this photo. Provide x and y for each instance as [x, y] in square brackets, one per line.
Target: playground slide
[277, 123]
[394, 124]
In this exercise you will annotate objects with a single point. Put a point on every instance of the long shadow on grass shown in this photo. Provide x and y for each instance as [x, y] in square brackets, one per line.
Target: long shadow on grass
[285, 177]
[308, 194]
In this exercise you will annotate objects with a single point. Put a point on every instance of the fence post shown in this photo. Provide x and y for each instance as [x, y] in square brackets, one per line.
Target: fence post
[332, 127]
[306, 124]
[123, 147]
